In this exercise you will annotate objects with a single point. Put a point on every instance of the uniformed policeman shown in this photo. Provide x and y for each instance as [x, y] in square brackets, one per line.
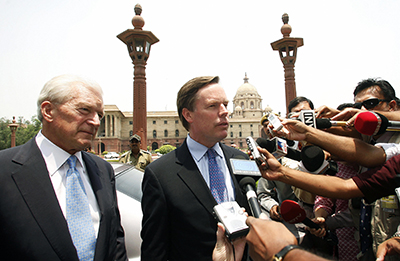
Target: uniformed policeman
[136, 156]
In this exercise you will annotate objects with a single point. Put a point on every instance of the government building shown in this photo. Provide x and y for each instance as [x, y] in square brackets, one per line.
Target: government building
[164, 127]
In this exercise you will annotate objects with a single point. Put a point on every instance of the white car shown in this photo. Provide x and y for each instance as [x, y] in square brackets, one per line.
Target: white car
[128, 182]
[111, 155]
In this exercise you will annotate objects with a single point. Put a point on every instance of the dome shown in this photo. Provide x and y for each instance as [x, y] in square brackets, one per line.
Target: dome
[246, 87]
[238, 108]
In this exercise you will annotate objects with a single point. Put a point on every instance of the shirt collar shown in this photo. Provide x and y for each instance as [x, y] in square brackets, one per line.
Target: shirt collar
[198, 150]
[53, 155]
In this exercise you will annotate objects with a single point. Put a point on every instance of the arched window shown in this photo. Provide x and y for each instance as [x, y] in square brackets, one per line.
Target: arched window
[252, 105]
[165, 133]
[130, 133]
[176, 133]
[240, 134]
[154, 134]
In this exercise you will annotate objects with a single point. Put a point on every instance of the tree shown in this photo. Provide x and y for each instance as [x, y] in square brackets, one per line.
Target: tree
[26, 131]
[164, 149]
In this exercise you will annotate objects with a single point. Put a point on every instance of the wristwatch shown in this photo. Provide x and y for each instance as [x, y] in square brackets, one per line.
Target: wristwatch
[281, 254]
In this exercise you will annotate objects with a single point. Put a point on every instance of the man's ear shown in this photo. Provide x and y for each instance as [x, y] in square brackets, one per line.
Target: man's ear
[187, 115]
[393, 105]
[47, 109]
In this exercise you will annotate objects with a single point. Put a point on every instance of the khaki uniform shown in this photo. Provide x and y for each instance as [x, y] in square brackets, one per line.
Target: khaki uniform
[143, 159]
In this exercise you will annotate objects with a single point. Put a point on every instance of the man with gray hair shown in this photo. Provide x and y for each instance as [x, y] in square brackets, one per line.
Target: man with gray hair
[57, 201]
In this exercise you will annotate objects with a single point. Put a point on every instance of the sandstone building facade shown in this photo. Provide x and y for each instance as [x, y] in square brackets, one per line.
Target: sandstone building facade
[164, 127]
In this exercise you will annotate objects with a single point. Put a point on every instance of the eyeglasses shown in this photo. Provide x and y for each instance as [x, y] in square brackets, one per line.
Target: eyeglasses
[369, 104]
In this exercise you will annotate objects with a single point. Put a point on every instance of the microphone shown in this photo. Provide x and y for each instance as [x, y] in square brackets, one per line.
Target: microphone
[248, 185]
[325, 123]
[308, 118]
[279, 148]
[293, 213]
[313, 161]
[373, 123]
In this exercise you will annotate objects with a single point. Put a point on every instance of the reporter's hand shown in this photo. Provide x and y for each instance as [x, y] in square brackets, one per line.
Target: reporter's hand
[274, 213]
[388, 248]
[348, 114]
[266, 238]
[321, 232]
[271, 170]
[325, 112]
[223, 250]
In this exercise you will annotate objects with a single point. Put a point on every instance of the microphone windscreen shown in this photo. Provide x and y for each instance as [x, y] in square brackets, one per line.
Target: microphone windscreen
[291, 212]
[247, 181]
[366, 123]
[323, 123]
[266, 144]
[312, 157]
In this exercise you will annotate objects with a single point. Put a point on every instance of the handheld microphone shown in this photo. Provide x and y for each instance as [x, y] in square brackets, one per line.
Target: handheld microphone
[293, 213]
[278, 148]
[308, 118]
[313, 161]
[248, 186]
[373, 123]
[325, 123]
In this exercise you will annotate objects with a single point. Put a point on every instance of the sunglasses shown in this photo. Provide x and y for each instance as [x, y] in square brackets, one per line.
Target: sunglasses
[369, 104]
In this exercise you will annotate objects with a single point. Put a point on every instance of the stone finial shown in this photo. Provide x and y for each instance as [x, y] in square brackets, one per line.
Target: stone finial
[137, 20]
[286, 29]
[246, 80]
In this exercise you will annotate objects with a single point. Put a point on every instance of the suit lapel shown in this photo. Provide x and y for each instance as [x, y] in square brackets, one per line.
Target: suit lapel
[32, 178]
[191, 176]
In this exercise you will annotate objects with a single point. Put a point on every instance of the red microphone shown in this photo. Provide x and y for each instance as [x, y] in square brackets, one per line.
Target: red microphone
[293, 213]
[373, 123]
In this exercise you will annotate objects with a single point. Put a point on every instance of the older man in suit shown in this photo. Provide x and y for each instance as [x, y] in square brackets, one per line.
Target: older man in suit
[179, 190]
[56, 201]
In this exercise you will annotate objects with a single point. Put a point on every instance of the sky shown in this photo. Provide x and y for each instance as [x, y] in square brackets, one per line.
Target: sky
[345, 41]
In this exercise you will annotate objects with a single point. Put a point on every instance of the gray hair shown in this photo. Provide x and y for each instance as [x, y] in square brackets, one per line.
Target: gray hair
[60, 90]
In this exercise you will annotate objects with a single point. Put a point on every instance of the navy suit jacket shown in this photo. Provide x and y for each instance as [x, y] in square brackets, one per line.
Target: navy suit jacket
[178, 221]
[33, 226]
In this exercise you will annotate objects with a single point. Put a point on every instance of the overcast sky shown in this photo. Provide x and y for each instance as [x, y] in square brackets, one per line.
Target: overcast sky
[344, 42]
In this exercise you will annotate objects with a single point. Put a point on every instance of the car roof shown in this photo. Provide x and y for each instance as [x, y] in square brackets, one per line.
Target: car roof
[128, 180]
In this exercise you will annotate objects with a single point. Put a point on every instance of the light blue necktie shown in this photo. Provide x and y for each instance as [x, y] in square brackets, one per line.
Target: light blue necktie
[78, 214]
[217, 181]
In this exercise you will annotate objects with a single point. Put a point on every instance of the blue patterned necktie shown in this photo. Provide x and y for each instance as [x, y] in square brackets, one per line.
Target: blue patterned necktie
[217, 181]
[78, 214]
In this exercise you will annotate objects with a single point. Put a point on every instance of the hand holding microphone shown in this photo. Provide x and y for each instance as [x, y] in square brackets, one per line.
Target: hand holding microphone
[293, 213]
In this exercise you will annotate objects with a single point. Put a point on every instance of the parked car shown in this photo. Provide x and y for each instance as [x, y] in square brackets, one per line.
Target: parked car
[128, 183]
[111, 155]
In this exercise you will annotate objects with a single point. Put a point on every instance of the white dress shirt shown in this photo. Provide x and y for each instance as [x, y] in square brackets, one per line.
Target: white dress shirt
[199, 154]
[55, 159]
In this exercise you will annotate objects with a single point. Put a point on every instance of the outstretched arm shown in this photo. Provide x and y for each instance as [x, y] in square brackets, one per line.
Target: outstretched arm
[327, 186]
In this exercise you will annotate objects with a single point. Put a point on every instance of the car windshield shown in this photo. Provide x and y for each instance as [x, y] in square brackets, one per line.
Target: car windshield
[128, 180]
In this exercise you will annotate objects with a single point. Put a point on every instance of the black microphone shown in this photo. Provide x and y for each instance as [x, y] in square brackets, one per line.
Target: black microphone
[248, 186]
[273, 147]
[325, 123]
[308, 118]
[313, 161]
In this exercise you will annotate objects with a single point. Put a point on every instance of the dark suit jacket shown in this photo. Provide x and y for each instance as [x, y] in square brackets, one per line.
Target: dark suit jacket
[33, 226]
[177, 205]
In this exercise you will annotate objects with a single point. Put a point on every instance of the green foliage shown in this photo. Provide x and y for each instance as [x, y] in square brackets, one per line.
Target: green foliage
[26, 131]
[104, 152]
[164, 149]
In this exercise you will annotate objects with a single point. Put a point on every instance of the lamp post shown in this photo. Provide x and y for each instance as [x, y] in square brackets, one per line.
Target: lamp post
[139, 43]
[287, 47]
[13, 127]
